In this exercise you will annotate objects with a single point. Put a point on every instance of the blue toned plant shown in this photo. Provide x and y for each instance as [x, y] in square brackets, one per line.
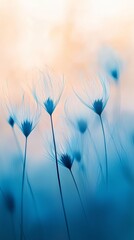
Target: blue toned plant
[26, 117]
[79, 117]
[111, 63]
[47, 93]
[94, 95]
[48, 89]
[76, 114]
[67, 155]
[15, 116]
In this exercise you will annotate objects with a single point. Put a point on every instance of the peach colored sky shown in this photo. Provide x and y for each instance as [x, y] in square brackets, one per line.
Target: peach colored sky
[65, 34]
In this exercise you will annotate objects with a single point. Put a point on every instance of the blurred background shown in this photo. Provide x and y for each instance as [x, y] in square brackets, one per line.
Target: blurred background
[64, 34]
[68, 35]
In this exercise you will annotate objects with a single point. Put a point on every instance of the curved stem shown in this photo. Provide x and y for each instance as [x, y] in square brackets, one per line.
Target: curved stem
[77, 189]
[58, 176]
[22, 190]
[105, 147]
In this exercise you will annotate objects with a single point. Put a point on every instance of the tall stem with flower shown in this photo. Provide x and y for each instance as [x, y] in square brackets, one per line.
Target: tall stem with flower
[26, 121]
[98, 106]
[11, 122]
[22, 188]
[67, 161]
[58, 175]
[48, 93]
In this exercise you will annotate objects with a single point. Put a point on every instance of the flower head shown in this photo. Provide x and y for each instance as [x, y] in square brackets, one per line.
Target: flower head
[9, 103]
[49, 106]
[66, 160]
[77, 116]
[27, 127]
[111, 63]
[11, 121]
[48, 91]
[70, 151]
[94, 94]
[82, 125]
[27, 115]
[98, 106]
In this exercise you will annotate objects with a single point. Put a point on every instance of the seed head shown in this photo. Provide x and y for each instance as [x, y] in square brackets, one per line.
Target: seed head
[66, 160]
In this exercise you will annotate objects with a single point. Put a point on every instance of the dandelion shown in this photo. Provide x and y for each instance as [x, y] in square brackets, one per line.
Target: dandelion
[47, 93]
[95, 97]
[26, 118]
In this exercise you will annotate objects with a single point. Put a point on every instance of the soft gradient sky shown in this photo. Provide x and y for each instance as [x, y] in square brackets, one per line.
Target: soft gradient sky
[65, 34]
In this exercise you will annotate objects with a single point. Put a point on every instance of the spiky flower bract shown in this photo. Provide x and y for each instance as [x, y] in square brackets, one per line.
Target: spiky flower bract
[11, 121]
[95, 97]
[47, 93]
[27, 115]
[98, 106]
[69, 150]
[94, 94]
[66, 160]
[48, 90]
[67, 156]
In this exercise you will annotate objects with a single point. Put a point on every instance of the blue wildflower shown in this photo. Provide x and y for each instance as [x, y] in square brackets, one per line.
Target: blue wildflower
[96, 100]
[66, 160]
[77, 116]
[11, 121]
[27, 116]
[111, 63]
[47, 92]
[49, 106]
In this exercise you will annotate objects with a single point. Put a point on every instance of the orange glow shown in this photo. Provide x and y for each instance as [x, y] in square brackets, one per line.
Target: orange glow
[63, 34]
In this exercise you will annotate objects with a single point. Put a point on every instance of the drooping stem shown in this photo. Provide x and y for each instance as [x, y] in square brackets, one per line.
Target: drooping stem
[58, 176]
[22, 191]
[77, 189]
[105, 148]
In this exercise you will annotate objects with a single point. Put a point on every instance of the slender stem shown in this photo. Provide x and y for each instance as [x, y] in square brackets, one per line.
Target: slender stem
[105, 147]
[77, 189]
[27, 178]
[17, 142]
[22, 190]
[13, 226]
[97, 155]
[58, 176]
